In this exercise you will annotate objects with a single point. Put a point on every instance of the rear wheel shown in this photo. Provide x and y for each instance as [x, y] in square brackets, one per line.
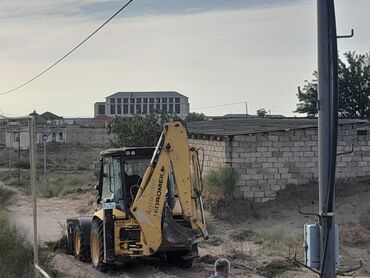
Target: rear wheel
[97, 245]
[81, 246]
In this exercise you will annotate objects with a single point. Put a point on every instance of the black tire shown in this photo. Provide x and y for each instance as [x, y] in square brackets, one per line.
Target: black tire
[97, 245]
[81, 248]
[70, 244]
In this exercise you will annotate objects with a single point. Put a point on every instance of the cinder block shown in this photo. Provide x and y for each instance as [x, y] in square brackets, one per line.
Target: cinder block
[259, 194]
[266, 144]
[270, 193]
[283, 171]
[273, 138]
[262, 200]
[248, 194]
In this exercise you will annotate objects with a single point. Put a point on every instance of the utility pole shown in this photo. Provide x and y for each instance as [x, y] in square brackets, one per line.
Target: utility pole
[10, 156]
[44, 140]
[328, 126]
[19, 154]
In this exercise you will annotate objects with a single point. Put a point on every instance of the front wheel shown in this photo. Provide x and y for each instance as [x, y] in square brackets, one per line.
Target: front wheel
[97, 245]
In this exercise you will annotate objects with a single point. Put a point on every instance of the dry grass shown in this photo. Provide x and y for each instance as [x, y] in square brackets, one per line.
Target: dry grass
[279, 243]
[355, 235]
[69, 170]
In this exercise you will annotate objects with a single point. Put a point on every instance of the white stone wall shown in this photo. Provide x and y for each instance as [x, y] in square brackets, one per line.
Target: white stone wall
[269, 162]
[88, 136]
[214, 152]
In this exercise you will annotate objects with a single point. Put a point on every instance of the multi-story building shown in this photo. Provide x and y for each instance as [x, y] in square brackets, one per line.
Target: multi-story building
[124, 104]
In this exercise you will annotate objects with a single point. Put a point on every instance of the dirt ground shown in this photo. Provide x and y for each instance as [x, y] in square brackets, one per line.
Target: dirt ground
[257, 246]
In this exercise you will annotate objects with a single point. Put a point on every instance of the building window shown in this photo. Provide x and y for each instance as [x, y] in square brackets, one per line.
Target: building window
[177, 108]
[16, 137]
[157, 107]
[145, 100]
[164, 100]
[112, 100]
[170, 108]
[157, 100]
[119, 100]
[132, 109]
[170, 100]
[138, 100]
[119, 109]
[145, 109]
[151, 100]
[125, 109]
[138, 109]
[177, 100]
[164, 107]
[60, 136]
[151, 108]
[125, 100]
[113, 109]
[132, 100]
[101, 109]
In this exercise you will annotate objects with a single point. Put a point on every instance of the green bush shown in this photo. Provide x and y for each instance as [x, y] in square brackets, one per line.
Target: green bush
[5, 196]
[224, 178]
[15, 252]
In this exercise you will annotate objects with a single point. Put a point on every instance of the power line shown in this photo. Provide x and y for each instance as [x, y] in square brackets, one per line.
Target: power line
[220, 105]
[68, 53]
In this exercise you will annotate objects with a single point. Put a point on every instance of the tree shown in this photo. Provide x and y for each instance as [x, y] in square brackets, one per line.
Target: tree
[138, 130]
[261, 112]
[194, 117]
[353, 87]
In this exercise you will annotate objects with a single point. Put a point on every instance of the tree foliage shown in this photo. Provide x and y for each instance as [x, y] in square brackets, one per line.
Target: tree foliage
[353, 86]
[194, 117]
[138, 130]
[261, 112]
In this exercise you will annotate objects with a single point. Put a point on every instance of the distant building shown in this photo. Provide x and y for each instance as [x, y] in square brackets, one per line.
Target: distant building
[82, 122]
[123, 104]
[15, 137]
[52, 119]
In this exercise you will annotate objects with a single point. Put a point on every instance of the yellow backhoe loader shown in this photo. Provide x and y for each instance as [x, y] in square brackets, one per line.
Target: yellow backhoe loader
[150, 204]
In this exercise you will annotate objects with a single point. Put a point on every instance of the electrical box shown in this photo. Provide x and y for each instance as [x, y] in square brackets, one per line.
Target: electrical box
[312, 245]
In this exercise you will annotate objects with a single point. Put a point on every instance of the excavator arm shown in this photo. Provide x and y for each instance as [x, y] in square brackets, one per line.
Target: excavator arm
[151, 209]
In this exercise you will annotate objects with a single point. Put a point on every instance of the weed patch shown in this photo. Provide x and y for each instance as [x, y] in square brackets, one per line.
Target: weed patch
[355, 235]
[224, 179]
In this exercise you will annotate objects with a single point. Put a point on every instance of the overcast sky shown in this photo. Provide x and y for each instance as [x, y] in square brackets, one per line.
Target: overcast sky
[213, 51]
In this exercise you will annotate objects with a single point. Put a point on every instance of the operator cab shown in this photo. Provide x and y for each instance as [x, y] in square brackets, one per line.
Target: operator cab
[121, 173]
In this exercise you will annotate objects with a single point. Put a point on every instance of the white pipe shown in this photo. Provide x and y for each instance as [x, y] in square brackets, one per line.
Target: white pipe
[43, 272]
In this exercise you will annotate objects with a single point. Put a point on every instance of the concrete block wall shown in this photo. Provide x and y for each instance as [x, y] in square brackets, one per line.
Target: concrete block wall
[2, 137]
[214, 152]
[269, 162]
[88, 136]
